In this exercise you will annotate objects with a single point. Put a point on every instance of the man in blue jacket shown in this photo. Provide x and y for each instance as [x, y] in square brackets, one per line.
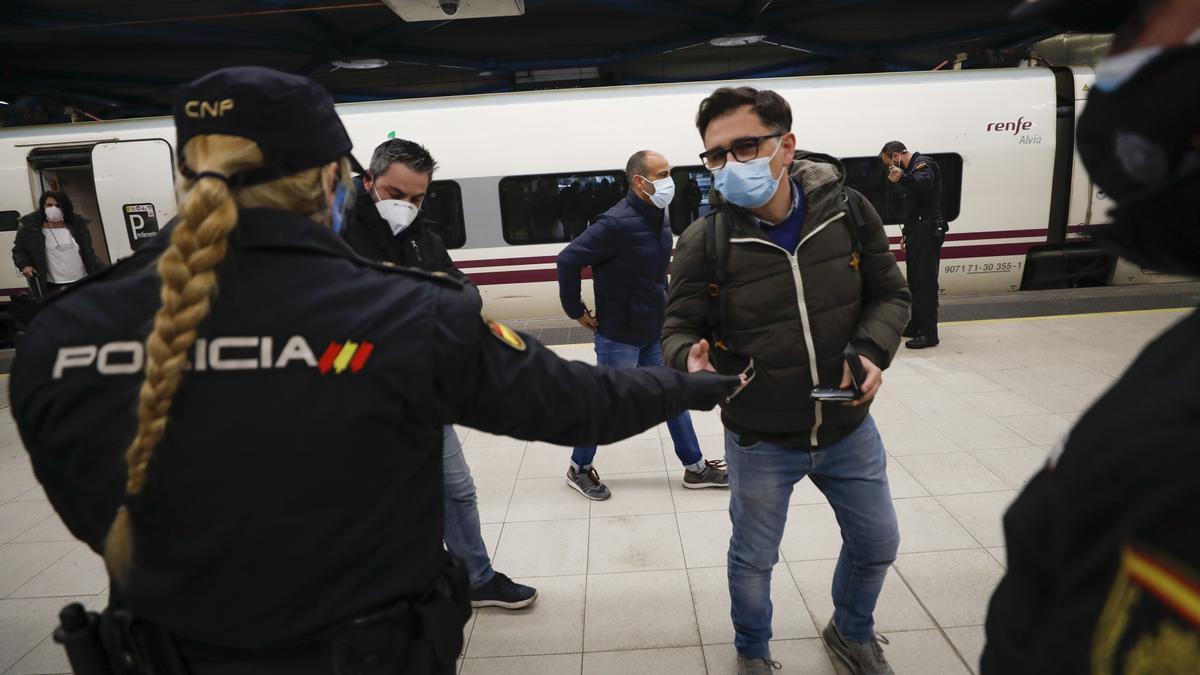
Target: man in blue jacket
[629, 249]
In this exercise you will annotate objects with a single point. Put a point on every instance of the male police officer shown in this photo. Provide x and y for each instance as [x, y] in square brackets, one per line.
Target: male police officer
[806, 274]
[628, 249]
[1103, 556]
[924, 231]
[383, 225]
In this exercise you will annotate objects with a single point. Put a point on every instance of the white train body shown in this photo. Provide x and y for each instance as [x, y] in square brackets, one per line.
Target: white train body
[1001, 123]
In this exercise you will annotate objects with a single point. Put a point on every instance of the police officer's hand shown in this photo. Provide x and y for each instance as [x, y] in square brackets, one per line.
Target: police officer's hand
[28, 271]
[588, 321]
[870, 385]
[894, 174]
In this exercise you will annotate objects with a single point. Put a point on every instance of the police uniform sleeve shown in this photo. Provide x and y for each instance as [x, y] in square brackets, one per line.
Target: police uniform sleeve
[920, 179]
[496, 380]
[83, 481]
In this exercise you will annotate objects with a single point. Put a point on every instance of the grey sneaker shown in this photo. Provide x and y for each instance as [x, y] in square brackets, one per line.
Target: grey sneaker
[588, 484]
[711, 476]
[863, 658]
[748, 666]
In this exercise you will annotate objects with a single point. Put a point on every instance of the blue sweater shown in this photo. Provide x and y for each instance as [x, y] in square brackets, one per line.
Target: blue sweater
[787, 233]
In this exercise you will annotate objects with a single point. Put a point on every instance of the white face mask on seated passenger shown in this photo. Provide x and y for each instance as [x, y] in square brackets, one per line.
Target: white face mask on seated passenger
[398, 213]
[664, 191]
[54, 214]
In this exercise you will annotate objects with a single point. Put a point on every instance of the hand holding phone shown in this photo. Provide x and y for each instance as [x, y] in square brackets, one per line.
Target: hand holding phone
[858, 377]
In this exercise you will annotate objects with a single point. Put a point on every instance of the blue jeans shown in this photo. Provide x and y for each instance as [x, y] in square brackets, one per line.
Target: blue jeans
[462, 535]
[620, 355]
[852, 475]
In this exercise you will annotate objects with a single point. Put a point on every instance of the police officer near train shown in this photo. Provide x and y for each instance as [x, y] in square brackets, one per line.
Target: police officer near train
[920, 181]
[245, 418]
[1103, 570]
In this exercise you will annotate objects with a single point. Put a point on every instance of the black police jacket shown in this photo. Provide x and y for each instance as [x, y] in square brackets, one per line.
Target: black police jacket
[922, 189]
[628, 249]
[1103, 552]
[299, 483]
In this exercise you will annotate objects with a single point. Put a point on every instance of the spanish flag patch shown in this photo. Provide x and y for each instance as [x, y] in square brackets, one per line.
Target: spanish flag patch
[506, 335]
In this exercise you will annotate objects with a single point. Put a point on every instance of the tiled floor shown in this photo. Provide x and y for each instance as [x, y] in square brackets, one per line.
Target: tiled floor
[637, 584]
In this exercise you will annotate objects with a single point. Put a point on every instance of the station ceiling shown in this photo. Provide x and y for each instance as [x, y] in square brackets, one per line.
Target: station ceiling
[82, 59]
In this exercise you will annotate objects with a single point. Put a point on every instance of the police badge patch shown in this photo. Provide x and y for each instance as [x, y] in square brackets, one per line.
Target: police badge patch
[506, 335]
[1151, 620]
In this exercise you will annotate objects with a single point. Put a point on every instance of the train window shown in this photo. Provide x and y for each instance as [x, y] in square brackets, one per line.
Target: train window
[692, 184]
[9, 220]
[867, 175]
[558, 207]
[443, 207]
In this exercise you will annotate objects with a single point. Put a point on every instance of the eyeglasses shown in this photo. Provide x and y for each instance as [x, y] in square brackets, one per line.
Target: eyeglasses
[743, 150]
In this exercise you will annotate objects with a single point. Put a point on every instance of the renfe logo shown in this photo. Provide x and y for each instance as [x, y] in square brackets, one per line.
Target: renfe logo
[1017, 127]
[222, 353]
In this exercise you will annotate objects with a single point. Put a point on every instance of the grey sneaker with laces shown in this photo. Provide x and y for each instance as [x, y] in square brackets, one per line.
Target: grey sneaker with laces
[863, 658]
[748, 666]
[588, 484]
[711, 476]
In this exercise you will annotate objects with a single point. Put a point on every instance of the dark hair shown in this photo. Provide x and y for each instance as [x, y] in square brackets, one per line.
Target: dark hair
[636, 165]
[412, 155]
[892, 147]
[769, 106]
[64, 203]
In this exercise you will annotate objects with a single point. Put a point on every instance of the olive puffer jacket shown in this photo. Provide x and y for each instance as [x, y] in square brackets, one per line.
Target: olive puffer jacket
[792, 312]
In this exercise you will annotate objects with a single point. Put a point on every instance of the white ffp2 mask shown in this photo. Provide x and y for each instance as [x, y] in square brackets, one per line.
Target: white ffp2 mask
[398, 213]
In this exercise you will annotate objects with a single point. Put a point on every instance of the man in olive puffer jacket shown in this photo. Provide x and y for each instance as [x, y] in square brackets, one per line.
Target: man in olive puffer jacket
[796, 292]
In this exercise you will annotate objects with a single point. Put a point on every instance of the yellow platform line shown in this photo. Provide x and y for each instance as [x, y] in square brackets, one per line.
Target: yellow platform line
[1169, 310]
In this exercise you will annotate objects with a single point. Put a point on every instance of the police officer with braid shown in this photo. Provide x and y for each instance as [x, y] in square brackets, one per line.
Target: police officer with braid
[245, 418]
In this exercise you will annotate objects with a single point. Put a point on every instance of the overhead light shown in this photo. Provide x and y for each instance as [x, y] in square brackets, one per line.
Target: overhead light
[361, 64]
[736, 40]
[487, 73]
[3, 102]
[442, 10]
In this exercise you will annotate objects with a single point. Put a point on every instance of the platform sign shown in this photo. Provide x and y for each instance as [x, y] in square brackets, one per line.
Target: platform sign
[141, 223]
[135, 190]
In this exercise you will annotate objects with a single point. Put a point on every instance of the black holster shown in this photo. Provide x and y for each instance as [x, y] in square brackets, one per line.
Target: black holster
[420, 637]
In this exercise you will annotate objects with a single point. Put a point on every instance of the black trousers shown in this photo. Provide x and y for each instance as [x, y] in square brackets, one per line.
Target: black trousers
[923, 257]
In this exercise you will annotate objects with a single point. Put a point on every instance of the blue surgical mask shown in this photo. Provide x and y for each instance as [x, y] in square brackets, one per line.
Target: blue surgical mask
[748, 184]
[338, 212]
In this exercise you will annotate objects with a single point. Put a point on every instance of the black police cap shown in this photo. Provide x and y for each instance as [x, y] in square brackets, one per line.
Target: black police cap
[290, 118]
[1089, 16]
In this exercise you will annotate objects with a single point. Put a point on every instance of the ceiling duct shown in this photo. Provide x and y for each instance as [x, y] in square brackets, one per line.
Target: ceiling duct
[442, 10]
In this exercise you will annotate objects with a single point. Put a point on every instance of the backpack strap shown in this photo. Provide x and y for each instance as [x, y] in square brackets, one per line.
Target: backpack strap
[716, 260]
[855, 224]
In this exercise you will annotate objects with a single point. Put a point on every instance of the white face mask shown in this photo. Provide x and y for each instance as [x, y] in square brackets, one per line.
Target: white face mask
[398, 213]
[664, 191]
[54, 214]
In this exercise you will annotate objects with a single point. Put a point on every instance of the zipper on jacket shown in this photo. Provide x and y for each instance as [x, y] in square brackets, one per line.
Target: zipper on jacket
[803, 306]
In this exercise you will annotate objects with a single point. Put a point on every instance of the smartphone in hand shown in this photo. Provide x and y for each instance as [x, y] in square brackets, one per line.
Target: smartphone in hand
[857, 376]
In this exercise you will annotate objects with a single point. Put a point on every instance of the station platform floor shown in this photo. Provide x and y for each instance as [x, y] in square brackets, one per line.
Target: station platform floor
[636, 584]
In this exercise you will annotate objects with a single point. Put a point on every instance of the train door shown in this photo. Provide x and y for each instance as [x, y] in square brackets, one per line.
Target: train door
[68, 169]
[135, 190]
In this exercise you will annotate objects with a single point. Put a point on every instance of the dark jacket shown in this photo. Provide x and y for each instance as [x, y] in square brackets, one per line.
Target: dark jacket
[1103, 552]
[922, 192]
[299, 483]
[793, 315]
[29, 248]
[628, 249]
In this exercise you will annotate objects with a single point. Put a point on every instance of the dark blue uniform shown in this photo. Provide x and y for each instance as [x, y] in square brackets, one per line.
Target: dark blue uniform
[298, 484]
[923, 236]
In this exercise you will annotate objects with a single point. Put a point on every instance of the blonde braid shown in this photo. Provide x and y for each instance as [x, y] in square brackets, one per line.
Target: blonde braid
[188, 269]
